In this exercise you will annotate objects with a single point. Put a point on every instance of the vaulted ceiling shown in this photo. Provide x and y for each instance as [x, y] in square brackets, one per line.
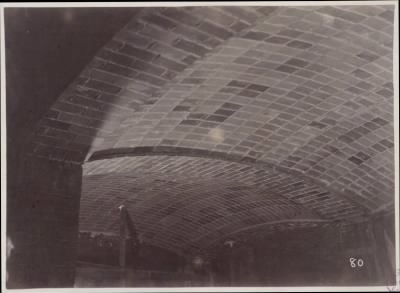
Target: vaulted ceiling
[210, 121]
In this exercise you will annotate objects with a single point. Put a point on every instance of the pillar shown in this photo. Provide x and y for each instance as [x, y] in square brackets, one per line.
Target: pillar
[122, 236]
[231, 262]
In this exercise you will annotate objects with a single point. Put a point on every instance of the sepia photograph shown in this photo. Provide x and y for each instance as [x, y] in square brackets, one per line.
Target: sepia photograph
[199, 146]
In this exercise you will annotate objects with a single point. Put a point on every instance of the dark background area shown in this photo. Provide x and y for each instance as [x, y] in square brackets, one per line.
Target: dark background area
[303, 257]
[103, 249]
[46, 48]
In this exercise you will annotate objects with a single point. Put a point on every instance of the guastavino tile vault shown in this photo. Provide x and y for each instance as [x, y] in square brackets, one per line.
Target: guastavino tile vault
[200, 146]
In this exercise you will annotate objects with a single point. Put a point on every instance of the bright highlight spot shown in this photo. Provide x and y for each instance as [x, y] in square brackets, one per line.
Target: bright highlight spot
[217, 135]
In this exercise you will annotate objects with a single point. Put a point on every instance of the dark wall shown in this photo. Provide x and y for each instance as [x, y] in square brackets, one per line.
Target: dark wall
[303, 257]
[42, 224]
[45, 50]
[90, 275]
[103, 249]
[147, 265]
[309, 257]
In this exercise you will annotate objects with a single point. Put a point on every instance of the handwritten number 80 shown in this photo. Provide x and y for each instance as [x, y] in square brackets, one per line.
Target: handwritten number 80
[356, 262]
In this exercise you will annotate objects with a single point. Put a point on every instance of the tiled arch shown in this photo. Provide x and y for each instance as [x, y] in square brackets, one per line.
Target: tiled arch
[307, 89]
[236, 158]
[189, 204]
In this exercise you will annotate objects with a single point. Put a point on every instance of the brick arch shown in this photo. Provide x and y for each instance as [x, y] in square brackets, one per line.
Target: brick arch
[128, 74]
[245, 160]
[291, 86]
[191, 204]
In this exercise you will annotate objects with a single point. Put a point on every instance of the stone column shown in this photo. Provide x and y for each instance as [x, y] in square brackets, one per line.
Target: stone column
[231, 263]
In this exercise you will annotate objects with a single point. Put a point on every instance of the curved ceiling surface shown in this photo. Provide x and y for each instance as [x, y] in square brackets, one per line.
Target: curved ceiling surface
[188, 204]
[305, 89]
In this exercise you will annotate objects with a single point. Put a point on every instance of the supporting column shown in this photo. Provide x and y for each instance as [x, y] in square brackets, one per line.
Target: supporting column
[122, 236]
[231, 243]
[43, 199]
